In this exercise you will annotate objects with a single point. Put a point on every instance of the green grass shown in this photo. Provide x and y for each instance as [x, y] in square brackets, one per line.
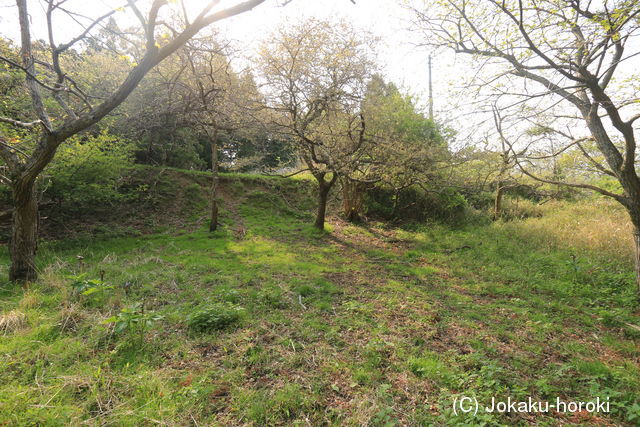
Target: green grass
[355, 326]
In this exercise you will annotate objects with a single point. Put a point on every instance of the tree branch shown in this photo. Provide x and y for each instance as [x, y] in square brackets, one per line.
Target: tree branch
[28, 63]
[18, 123]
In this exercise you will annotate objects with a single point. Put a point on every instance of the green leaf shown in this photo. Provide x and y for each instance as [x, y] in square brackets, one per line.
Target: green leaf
[110, 320]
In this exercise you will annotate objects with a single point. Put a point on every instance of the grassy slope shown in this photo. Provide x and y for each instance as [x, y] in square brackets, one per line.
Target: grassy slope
[358, 325]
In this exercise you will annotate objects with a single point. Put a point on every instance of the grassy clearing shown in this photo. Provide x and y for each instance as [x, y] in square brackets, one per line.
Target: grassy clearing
[596, 227]
[281, 324]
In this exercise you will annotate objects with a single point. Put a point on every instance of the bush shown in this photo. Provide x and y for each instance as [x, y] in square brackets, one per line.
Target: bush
[215, 317]
[88, 170]
[481, 199]
[415, 204]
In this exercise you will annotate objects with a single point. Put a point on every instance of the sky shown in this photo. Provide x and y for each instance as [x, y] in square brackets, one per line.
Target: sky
[401, 60]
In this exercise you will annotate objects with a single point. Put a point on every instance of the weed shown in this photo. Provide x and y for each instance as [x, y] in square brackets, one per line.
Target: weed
[262, 408]
[215, 317]
[89, 289]
[429, 367]
[133, 319]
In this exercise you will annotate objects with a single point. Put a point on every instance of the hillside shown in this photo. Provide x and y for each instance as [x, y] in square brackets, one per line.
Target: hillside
[152, 200]
[270, 321]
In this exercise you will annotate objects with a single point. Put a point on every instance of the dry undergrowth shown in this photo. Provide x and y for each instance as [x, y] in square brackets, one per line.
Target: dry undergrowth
[12, 321]
[598, 226]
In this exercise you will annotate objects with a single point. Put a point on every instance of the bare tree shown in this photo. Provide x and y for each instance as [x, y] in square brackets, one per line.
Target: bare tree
[315, 73]
[77, 111]
[508, 162]
[216, 99]
[571, 51]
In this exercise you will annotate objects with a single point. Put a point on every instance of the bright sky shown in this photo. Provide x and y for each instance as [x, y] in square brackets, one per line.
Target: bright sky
[403, 62]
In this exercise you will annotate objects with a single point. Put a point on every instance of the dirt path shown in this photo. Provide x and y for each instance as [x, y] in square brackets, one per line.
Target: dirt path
[231, 204]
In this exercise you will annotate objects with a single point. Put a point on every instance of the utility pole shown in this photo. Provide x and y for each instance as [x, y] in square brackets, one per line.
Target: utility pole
[430, 92]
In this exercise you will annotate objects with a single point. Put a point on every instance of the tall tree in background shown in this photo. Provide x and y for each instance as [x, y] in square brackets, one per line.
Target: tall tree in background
[407, 148]
[74, 111]
[570, 51]
[153, 117]
[508, 160]
[217, 99]
[316, 74]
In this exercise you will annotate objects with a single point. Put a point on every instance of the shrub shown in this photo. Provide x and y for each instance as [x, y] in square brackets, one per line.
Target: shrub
[481, 199]
[88, 170]
[215, 317]
[83, 286]
[415, 204]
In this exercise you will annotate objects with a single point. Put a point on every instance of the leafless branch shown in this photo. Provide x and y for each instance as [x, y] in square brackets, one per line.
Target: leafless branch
[18, 123]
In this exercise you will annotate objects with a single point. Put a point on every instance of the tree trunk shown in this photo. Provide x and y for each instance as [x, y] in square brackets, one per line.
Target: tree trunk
[323, 195]
[352, 199]
[396, 201]
[634, 213]
[636, 247]
[24, 236]
[213, 225]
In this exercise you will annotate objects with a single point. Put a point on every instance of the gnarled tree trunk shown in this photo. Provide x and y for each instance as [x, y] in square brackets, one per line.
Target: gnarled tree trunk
[323, 195]
[634, 214]
[352, 199]
[24, 233]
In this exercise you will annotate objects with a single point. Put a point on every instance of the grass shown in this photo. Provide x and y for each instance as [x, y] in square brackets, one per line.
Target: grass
[593, 227]
[355, 326]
